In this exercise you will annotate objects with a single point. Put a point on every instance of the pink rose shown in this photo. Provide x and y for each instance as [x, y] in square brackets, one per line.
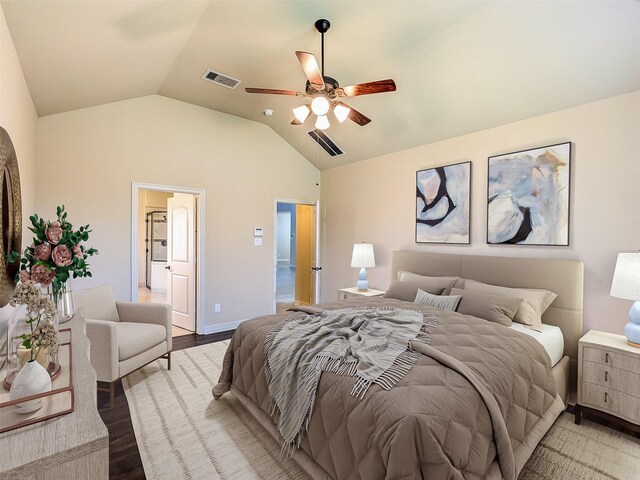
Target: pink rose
[42, 251]
[24, 276]
[62, 256]
[77, 251]
[42, 275]
[54, 233]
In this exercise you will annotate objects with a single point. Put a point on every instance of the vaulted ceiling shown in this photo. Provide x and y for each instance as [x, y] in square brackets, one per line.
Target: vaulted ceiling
[459, 66]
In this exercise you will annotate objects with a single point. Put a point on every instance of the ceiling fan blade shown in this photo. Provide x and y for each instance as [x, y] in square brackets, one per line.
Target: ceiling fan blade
[273, 91]
[355, 115]
[368, 88]
[311, 69]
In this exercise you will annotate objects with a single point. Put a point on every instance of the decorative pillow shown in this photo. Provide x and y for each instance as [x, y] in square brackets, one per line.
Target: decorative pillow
[535, 301]
[434, 282]
[443, 302]
[495, 308]
[406, 291]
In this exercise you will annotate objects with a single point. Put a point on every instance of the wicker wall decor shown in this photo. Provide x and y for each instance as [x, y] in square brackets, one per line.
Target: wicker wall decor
[10, 214]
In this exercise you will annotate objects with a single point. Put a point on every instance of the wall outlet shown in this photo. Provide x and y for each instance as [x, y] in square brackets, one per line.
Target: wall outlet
[217, 308]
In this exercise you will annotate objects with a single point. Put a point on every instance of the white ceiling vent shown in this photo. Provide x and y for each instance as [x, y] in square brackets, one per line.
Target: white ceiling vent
[221, 79]
[327, 144]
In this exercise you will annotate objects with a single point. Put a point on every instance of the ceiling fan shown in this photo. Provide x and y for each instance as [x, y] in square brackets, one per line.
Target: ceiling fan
[325, 92]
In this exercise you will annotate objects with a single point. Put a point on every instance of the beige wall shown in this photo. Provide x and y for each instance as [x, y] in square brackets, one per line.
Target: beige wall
[88, 158]
[18, 117]
[374, 200]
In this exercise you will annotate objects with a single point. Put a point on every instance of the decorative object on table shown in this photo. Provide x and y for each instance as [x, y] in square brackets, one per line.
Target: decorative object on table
[56, 255]
[626, 284]
[363, 258]
[11, 213]
[32, 378]
[55, 402]
[442, 204]
[528, 196]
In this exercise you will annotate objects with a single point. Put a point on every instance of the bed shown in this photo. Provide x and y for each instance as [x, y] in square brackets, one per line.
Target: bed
[475, 404]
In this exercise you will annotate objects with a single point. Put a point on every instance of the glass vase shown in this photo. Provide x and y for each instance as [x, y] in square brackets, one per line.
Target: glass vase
[63, 300]
[16, 326]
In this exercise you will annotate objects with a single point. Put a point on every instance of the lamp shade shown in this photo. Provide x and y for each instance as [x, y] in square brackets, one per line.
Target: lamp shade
[626, 277]
[363, 256]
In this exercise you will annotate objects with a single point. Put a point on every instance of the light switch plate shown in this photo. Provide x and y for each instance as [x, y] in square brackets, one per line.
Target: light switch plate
[257, 241]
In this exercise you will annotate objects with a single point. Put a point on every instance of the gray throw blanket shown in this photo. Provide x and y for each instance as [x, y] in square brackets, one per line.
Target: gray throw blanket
[371, 344]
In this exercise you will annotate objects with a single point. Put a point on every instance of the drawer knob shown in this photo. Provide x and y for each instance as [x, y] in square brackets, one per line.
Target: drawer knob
[606, 376]
[605, 397]
[606, 358]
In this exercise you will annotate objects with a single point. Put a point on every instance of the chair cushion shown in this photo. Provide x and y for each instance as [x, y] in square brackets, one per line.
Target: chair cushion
[135, 338]
[96, 303]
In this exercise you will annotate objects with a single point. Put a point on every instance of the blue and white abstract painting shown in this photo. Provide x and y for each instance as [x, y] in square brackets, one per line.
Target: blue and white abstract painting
[528, 197]
[442, 204]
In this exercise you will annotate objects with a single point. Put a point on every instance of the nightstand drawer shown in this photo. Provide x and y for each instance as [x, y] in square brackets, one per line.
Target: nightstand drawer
[612, 359]
[614, 378]
[607, 399]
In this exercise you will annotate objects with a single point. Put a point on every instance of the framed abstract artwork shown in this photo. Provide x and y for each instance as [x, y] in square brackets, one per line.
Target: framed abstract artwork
[528, 196]
[442, 204]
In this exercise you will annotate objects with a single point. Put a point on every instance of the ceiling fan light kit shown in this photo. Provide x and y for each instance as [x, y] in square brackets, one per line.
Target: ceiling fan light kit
[322, 122]
[320, 105]
[325, 91]
[301, 113]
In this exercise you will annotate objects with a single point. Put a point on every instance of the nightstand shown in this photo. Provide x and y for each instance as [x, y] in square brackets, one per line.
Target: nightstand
[345, 293]
[609, 379]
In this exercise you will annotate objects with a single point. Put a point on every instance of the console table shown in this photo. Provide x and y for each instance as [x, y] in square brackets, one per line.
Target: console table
[71, 446]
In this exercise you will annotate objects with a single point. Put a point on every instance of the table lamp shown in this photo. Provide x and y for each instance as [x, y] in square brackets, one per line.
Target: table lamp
[626, 284]
[362, 258]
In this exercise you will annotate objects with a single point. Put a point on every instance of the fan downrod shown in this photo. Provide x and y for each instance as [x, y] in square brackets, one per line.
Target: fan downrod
[322, 25]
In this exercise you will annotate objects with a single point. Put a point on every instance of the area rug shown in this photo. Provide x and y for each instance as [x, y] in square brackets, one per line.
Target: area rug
[183, 433]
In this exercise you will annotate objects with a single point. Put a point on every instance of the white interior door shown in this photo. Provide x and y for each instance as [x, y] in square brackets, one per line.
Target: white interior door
[314, 287]
[181, 265]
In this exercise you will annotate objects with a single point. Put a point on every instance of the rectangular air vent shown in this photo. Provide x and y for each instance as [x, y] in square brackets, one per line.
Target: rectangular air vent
[325, 142]
[220, 79]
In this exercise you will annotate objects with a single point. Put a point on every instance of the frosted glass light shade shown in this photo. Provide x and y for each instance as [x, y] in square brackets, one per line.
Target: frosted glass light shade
[363, 256]
[320, 105]
[301, 113]
[341, 112]
[626, 277]
[322, 123]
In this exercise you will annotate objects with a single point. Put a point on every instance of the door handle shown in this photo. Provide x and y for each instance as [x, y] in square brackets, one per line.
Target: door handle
[168, 267]
[316, 269]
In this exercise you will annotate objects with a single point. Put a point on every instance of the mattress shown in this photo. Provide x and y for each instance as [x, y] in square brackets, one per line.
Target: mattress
[550, 337]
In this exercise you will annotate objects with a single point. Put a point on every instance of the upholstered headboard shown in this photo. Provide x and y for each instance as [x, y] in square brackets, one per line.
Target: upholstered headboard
[563, 277]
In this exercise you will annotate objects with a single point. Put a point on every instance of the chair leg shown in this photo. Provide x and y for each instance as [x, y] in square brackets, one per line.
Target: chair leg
[168, 360]
[112, 392]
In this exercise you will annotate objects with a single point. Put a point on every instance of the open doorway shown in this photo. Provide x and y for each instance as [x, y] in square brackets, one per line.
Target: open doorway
[296, 259]
[166, 242]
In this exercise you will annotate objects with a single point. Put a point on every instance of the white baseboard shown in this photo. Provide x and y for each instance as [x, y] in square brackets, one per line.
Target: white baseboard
[222, 327]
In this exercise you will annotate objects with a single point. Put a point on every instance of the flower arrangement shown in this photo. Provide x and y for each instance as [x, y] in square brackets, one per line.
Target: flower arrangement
[41, 313]
[56, 254]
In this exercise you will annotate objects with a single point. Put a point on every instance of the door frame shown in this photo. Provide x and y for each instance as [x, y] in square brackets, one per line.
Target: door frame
[199, 197]
[276, 201]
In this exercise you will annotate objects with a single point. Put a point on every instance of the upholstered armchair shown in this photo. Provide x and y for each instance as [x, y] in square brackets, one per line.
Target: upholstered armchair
[124, 336]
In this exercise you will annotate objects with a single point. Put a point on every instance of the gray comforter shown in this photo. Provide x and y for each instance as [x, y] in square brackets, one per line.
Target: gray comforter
[474, 405]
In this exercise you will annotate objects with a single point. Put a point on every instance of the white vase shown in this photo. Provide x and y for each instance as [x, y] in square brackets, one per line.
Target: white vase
[32, 379]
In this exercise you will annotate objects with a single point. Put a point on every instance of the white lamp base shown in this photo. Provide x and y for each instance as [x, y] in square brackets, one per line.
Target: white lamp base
[363, 282]
[632, 329]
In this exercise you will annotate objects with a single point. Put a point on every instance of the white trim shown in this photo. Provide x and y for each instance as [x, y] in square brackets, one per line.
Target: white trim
[200, 251]
[222, 327]
[276, 201]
